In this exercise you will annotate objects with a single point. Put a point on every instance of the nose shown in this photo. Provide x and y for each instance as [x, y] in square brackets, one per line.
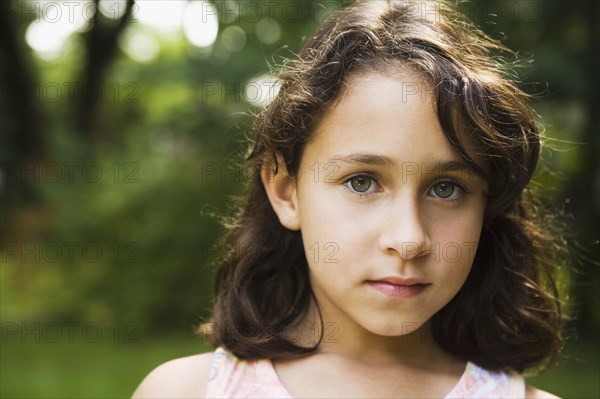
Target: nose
[404, 232]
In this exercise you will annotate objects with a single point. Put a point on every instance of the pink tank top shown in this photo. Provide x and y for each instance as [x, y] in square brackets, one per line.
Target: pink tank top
[231, 377]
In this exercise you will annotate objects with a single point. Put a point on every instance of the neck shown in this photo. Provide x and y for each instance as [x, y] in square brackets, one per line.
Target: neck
[344, 338]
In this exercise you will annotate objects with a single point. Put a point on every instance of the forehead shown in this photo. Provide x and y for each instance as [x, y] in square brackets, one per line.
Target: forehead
[392, 115]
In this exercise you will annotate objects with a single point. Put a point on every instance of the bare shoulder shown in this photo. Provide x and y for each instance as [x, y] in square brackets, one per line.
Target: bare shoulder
[534, 393]
[185, 377]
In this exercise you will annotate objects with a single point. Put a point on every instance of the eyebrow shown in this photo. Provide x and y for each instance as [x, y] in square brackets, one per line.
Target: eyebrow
[369, 159]
[382, 160]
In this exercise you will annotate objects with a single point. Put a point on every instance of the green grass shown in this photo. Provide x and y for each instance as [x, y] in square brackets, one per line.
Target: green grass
[113, 370]
[85, 370]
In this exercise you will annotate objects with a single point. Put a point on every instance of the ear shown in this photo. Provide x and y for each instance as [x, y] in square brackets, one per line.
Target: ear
[282, 191]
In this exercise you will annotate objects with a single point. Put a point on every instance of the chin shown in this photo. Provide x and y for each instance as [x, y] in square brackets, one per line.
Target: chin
[395, 329]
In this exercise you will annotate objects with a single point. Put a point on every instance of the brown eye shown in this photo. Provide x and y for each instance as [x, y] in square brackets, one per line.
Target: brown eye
[360, 183]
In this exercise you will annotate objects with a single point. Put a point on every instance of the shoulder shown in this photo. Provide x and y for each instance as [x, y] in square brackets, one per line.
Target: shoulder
[534, 393]
[185, 377]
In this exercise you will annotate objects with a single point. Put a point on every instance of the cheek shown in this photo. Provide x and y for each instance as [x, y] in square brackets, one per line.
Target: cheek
[330, 243]
[455, 241]
[459, 226]
[324, 216]
[333, 235]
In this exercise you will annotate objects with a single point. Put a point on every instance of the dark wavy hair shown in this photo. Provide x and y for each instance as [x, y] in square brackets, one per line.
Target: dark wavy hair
[507, 316]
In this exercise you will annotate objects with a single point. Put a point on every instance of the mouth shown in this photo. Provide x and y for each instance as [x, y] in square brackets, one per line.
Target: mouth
[398, 287]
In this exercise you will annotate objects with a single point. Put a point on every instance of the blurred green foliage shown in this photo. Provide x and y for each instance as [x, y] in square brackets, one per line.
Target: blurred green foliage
[158, 161]
[145, 187]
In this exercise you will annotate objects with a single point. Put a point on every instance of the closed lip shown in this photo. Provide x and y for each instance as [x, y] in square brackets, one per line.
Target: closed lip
[400, 281]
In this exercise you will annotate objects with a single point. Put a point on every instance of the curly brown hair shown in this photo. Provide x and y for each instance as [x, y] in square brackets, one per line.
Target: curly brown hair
[508, 313]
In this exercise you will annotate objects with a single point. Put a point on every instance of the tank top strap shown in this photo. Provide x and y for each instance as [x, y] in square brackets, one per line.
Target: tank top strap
[477, 382]
[231, 377]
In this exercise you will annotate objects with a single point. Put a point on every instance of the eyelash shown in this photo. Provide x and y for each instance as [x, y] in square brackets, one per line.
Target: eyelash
[457, 186]
[348, 187]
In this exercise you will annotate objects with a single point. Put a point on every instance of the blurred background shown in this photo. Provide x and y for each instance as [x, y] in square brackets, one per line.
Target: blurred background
[122, 130]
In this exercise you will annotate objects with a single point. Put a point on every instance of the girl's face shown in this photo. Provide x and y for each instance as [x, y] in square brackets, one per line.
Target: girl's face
[389, 213]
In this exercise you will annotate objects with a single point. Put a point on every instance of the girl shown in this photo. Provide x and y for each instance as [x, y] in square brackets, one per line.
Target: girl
[386, 247]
